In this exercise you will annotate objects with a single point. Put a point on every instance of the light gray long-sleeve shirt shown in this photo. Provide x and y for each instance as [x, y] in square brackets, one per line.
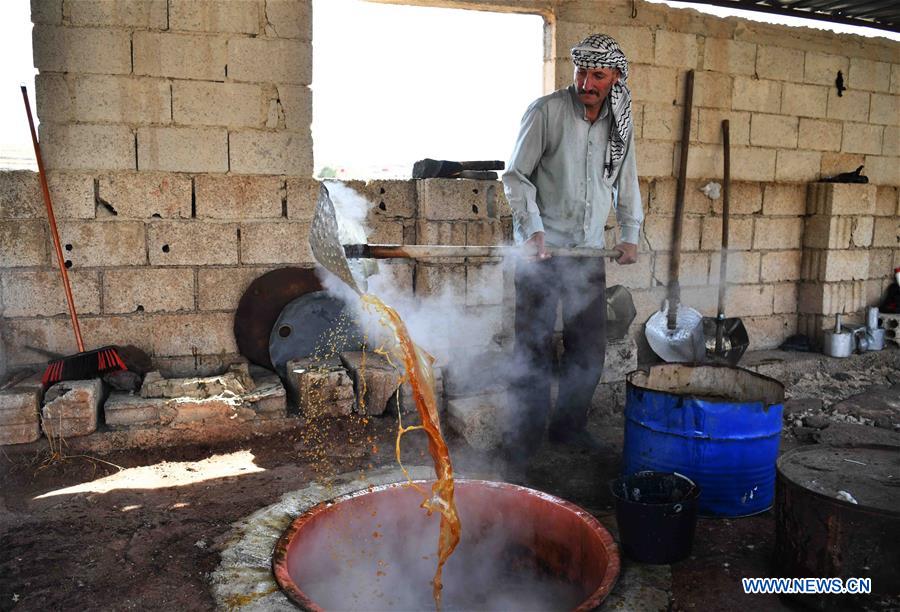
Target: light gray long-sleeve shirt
[555, 179]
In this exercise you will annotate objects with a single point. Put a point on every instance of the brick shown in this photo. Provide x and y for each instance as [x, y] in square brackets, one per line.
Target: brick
[148, 290]
[824, 232]
[831, 298]
[296, 105]
[891, 145]
[19, 434]
[804, 100]
[835, 265]
[375, 381]
[262, 60]
[652, 83]
[742, 268]
[192, 243]
[749, 300]
[887, 232]
[149, 14]
[895, 78]
[23, 243]
[92, 50]
[222, 288]
[87, 147]
[655, 158]
[758, 95]
[676, 49]
[704, 161]
[452, 199]
[206, 333]
[302, 195]
[862, 232]
[746, 199]
[785, 298]
[693, 271]
[658, 230]
[180, 56]
[72, 195]
[441, 280]
[484, 233]
[46, 11]
[752, 164]
[729, 56]
[710, 127]
[289, 19]
[107, 243]
[143, 195]
[442, 233]
[885, 109]
[238, 197]
[182, 149]
[841, 199]
[862, 138]
[21, 407]
[883, 170]
[382, 231]
[797, 165]
[781, 233]
[773, 131]
[820, 135]
[780, 266]
[886, 201]
[394, 281]
[275, 242]
[123, 411]
[633, 276]
[478, 419]
[869, 75]
[53, 98]
[484, 284]
[822, 68]
[770, 332]
[881, 264]
[779, 63]
[39, 293]
[225, 104]
[320, 389]
[397, 198]
[851, 106]
[636, 42]
[72, 408]
[784, 199]
[239, 16]
[258, 152]
[664, 121]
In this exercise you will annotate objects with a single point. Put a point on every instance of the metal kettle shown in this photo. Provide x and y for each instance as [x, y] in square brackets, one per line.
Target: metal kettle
[839, 342]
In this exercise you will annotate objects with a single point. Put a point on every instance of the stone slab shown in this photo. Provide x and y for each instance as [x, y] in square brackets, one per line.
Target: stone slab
[375, 381]
[320, 388]
[20, 407]
[475, 419]
[71, 408]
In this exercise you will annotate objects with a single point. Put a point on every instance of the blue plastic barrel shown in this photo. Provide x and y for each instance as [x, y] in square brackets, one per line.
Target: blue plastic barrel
[718, 425]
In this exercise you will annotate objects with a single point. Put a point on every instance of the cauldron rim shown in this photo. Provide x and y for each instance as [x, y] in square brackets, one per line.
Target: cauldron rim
[301, 599]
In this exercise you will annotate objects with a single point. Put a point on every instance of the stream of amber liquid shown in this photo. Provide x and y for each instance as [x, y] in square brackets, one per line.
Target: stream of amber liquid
[421, 378]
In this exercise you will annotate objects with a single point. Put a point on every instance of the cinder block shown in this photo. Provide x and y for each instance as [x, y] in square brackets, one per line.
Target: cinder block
[804, 100]
[881, 265]
[822, 68]
[693, 271]
[91, 50]
[275, 242]
[484, 284]
[862, 232]
[742, 268]
[729, 56]
[835, 163]
[20, 411]
[222, 288]
[87, 147]
[259, 152]
[180, 56]
[664, 121]
[785, 300]
[23, 243]
[862, 138]
[53, 97]
[787, 199]
[397, 198]
[192, 243]
[749, 300]
[887, 232]
[191, 333]
[40, 293]
[823, 232]
[72, 195]
[375, 381]
[225, 104]
[831, 298]
[394, 281]
[633, 276]
[830, 266]
[320, 389]
[46, 11]
[704, 161]
[853, 105]
[19, 433]
[382, 231]
[797, 165]
[760, 95]
[139, 290]
[740, 234]
[488, 232]
[211, 16]
[71, 408]
[652, 83]
[886, 201]
[636, 42]
[779, 63]
[770, 332]
[883, 170]
[832, 199]
[145, 195]
[885, 108]
[183, 149]
[124, 411]
[441, 280]
[239, 197]
[261, 60]
[657, 232]
[746, 199]
[780, 266]
[752, 164]
[455, 199]
[149, 14]
[820, 135]
[289, 19]
[121, 99]
[891, 146]
[773, 131]
[710, 127]
[477, 419]
[778, 234]
[676, 49]
[106, 243]
[302, 195]
[869, 75]
[296, 105]
[655, 158]
[895, 78]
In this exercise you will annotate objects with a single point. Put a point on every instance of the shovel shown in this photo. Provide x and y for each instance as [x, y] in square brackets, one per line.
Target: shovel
[725, 339]
[674, 333]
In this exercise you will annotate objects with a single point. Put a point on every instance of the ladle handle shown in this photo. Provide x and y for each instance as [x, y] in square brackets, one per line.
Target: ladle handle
[417, 251]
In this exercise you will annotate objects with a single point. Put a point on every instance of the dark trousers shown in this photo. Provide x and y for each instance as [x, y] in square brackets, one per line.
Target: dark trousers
[580, 285]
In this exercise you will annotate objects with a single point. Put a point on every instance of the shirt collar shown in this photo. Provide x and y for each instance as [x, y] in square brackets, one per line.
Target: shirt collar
[578, 107]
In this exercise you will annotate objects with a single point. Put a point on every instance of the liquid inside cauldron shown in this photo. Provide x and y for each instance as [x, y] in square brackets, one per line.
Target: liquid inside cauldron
[520, 550]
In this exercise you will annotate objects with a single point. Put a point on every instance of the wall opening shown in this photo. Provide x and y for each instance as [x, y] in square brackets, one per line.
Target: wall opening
[394, 84]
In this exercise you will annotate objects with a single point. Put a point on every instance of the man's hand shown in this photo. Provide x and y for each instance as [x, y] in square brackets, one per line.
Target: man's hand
[535, 248]
[629, 253]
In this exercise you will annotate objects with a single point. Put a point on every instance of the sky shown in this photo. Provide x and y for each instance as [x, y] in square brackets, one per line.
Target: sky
[391, 84]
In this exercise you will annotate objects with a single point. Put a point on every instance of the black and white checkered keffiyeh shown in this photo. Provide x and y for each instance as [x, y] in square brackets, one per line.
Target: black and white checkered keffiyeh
[602, 51]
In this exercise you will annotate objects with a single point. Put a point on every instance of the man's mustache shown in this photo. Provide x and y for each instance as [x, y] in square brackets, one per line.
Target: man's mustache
[593, 92]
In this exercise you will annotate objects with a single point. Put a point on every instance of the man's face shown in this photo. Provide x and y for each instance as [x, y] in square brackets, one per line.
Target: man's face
[594, 84]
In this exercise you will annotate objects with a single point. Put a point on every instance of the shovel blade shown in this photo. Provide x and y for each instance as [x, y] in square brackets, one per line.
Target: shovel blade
[684, 344]
[735, 340]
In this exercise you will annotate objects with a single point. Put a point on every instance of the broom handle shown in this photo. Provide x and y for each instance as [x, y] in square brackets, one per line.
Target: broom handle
[416, 251]
[53, 231]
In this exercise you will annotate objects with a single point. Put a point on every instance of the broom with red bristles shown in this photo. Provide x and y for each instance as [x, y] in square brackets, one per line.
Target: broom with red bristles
[84, 364]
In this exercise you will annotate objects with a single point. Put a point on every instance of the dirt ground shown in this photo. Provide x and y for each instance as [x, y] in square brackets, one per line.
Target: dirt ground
[142, 529]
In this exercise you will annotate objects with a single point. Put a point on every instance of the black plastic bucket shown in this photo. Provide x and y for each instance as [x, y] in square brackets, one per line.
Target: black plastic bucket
[657, 514]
